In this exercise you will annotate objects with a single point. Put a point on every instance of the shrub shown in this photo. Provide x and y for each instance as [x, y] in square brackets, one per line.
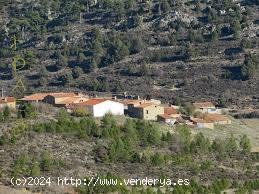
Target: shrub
[80, 112]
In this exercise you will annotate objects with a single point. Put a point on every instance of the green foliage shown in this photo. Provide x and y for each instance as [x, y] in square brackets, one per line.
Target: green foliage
[27, 165]
[43, 72]
[77, 72]
[236, 27]
[62, 61]
[207, 165]
[250, 66]
[27, 111]
[6, 113]
[80, 112]
[4, 139]
[184, 137]
[200, 144]
[164, 6]
[119, 151]
[214, 35]
[188, 109]
[67, 78]
[93, 65]
[231, 145]
[21, 166]
[148, 133]
[245, 144]
[189, 52]
[157, 159]
[81, 58]
[30, 59]
[46, 162]
[35, 169]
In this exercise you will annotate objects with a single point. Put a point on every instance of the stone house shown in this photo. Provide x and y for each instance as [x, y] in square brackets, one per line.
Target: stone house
[146, 111]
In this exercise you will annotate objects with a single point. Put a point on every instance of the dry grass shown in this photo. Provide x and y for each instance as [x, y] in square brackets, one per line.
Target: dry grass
[239, 127]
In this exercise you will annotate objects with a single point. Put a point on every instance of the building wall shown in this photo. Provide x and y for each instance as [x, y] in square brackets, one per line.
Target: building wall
[209, 110]
[11, 105]
[151, 112]
[135, 112]
[226, 122]
[115, 108]
[58, 100]
[170, 121]
[147, 113]
[205, 125]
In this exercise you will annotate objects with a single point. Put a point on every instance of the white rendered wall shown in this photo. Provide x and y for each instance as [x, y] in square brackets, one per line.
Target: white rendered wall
[108, 106]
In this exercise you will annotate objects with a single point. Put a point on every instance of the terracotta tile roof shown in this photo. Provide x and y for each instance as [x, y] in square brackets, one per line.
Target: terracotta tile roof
[41, 96]
[71, 100]
[170, 110]
[144, 105]
[132, 101]
[62, 94]
[91, 102]
[166, 116]
[198, 120]
[7, 100]
[204, 105]
[36, 96]
[215, 118]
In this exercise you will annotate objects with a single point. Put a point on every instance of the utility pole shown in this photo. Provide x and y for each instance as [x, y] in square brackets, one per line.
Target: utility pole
[2, 92]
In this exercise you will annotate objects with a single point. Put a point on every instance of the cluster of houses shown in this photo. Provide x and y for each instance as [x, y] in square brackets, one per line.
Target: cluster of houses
[134, 107]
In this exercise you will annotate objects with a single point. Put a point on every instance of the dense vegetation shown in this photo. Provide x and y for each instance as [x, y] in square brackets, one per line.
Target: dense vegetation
[115, 46]
[137, 142]
[174, 50]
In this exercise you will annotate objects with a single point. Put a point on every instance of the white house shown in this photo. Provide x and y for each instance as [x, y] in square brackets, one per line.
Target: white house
[100, 107]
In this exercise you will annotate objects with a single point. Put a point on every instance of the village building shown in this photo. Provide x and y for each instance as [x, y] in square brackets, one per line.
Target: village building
[206, 107]
[37, 97]
[59, 99]
[165, 118]
[201, 123]
[99, 107]
[217, 119]
[64, 99]
[70, 100]
[7, 102]
[210, 120]
[136, 102]
[170, 115]
[146, 111]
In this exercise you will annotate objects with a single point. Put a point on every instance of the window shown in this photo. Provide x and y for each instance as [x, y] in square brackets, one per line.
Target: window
[146, 111]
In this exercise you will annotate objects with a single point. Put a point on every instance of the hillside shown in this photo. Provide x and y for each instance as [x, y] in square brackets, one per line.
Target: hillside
[174, 50]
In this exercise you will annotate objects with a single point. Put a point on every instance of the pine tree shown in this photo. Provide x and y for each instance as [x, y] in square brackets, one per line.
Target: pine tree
[6, 113]
[245, 144]
[35, 169]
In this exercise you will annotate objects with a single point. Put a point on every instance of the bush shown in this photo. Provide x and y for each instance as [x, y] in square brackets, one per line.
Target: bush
[46, 161]
[6, 113]
[157, 159]
[80, 112]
